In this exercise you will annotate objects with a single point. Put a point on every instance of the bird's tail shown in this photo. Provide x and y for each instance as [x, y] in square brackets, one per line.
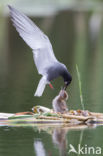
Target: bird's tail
[41, 86]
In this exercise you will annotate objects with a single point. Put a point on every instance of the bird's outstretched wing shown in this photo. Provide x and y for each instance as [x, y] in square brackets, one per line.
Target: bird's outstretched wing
[35, 38]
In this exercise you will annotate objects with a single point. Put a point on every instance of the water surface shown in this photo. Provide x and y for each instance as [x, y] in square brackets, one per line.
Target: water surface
[75, 40]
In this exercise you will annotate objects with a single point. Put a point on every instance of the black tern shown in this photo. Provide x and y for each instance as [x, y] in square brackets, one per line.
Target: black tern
[47, 64]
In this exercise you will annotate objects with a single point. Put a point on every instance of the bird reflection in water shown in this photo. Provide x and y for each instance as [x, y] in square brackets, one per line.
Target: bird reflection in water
[39, 148]
[59, 139]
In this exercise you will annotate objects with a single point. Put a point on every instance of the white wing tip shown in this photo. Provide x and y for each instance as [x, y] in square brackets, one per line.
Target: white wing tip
[41, 86]
[37, 94]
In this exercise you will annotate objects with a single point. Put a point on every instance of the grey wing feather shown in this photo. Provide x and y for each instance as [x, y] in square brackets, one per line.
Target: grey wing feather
[35, 38]
[43, 59]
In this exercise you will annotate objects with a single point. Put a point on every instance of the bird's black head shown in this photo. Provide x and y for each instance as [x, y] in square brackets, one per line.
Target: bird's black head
[67, 78]
[59, 69]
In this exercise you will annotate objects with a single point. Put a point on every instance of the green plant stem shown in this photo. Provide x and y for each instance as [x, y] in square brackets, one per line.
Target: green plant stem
[80, 87]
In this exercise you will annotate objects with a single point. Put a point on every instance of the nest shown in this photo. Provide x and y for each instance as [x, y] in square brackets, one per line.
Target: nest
[60, 114]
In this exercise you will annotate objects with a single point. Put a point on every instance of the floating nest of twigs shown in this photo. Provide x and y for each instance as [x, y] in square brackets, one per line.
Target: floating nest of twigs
[59, 114]
[73, 116]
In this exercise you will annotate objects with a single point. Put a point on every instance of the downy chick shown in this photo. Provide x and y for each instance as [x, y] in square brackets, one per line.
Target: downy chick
[59, 102]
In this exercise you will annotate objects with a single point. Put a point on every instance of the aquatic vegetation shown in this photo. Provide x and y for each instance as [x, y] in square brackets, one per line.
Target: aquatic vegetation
[80, 87]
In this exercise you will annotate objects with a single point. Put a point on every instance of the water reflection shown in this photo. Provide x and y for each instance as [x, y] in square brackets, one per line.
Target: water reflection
[75, 40]
[45, 139]
[39, 148]
[59, 138]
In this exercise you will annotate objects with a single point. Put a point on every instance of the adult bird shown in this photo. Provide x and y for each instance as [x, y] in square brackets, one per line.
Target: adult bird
[47, 64]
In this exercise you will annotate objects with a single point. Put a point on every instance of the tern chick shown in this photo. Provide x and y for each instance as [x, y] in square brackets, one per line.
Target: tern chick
[59, 102]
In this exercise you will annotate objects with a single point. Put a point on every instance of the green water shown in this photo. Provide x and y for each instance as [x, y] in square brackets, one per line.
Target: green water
[27, 141]
[75, 41]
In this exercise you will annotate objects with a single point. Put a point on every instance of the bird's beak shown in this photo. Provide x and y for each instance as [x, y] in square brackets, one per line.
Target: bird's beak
[65, 86]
